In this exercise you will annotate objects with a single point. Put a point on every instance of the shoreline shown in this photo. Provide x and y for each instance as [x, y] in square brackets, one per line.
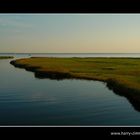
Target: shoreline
[64, 75]
[119, 86]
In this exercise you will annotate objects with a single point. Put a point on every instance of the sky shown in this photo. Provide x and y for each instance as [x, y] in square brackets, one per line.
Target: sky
[69, 33]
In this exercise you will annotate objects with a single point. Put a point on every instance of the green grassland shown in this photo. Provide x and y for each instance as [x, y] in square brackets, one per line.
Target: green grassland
[122, 75]
[121, 72]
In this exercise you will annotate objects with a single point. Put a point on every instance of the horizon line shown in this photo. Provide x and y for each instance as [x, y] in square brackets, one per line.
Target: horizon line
[69, 53]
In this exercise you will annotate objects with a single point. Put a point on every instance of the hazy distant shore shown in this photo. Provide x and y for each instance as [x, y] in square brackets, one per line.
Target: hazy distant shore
[6, 57]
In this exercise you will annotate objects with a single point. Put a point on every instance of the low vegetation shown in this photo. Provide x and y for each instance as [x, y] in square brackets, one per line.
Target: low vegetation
[121, 74]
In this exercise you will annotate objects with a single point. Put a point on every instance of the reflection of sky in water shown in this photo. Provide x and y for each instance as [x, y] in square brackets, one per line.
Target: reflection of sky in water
[25, 99]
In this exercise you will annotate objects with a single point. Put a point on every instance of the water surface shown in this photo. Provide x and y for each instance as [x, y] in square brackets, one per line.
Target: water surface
[26, 100]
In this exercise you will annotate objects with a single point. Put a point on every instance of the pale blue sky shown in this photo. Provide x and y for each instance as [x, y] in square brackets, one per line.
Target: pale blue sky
[70, 33]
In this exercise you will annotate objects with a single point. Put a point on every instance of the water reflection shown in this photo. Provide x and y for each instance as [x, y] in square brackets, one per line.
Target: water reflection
[133, 98]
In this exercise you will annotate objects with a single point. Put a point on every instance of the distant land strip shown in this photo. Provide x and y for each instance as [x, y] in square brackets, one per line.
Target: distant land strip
[6, 57]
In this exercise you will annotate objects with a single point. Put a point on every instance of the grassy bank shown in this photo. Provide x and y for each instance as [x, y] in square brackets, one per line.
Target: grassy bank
[6, 57]
[121, 74]
[124, 71]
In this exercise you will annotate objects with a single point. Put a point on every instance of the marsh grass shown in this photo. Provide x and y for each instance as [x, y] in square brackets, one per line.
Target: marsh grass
[122, 72]
[122, 75]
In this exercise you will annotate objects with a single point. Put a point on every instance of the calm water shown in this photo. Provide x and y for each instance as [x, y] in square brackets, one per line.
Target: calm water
[26, 100]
